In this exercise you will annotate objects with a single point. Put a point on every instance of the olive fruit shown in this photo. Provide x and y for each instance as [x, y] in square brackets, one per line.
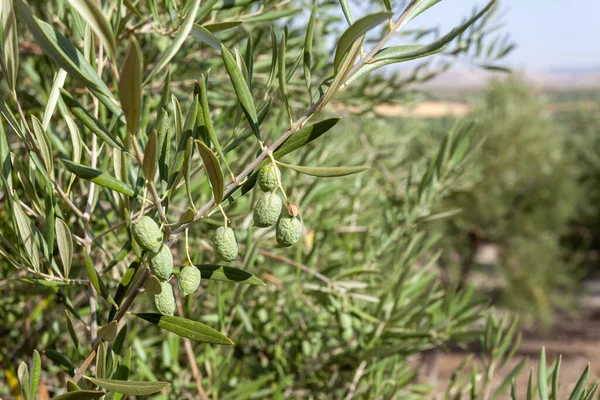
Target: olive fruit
[267, 210]
[268, 177]
[161, 263]
[147, 234]
[288, 229]
[225, 244]
[189, 280]
[165, 300]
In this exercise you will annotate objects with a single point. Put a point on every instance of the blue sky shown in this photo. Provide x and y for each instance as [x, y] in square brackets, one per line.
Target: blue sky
[549, 33]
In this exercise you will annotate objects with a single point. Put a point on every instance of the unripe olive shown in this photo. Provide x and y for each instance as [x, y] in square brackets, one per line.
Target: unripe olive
[225, 244]
[161, 263]
[288, 229]
[268, 177]
[165, 300]
[147, 234]
[189, 280]
[267, 210]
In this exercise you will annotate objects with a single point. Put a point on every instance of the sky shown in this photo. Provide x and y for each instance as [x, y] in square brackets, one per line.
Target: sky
[550, 34]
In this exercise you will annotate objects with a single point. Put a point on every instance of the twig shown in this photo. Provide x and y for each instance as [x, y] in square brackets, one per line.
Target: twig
[189, 351]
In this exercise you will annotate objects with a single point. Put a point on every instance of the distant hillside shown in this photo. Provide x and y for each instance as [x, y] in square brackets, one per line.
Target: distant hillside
[561, 79]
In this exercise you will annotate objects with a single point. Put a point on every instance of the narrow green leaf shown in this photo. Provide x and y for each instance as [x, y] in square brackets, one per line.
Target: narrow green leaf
[101, 360]
[71, 330]
[130, 84]
[273, 57]
[43, 143]
[80, 395]
[418, 7]
[510, 377]
[186, 328]
[61, 360]
[23, 376]
[205, 113]
[354, 32]
[96, 281]
[213, 170]
[150, 157]
[272, 15]
[24, 227]
[57, 84]
[228, 274]
[92, 14]
[36, 371]
[324, 172]
[182, 33]
[66, 55]
[89, 121]
[99, 177]
[281, 72]
[221, 26]
[241, 89]
[119, 340]
[305, 136]
[347, 11]
[134, 388]
[555, 375]
[580, 386]
[65, 245]
[308, 43]
[72, 386]
[543, 376]
[10, 45]
[204, 35]
[109, 331]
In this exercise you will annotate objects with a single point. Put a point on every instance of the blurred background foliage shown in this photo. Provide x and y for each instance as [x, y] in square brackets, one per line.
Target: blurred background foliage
[501, 204]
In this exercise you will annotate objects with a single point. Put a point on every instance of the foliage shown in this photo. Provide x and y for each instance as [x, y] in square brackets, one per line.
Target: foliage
[114, 111]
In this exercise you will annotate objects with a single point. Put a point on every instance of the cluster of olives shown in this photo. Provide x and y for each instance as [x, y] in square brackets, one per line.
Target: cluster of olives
[149, 237]
[269, 209]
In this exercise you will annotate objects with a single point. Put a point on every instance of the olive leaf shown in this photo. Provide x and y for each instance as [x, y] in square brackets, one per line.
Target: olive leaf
[61, 360]
[281, 73]
[10, 45]
[109, 331]
[71, 330]
[130, 84]
[221, 26]
[23, 225]
[205, 36]
[92, 14]
[81, 395]
[205, 114]
[240, 86]
[186, 328]
[213, 170]
[223, 273]
[418, 7]
[324, 172]
[195, 11]
[95, 280]
[66, 55]
[134, 388]
[271, 15]
[308, 43]
[43, 143]
[305, 136]
[150, 157]
[354, 32]
[95, 126]
[99, 177]
[57, 84]
[65, 245]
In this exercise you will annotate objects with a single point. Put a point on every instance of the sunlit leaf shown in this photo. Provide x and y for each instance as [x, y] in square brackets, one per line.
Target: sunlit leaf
[57, 84]
[92, 14]
[130, 84]
[99, 177]
[89, 121]
[187, 328]
[150, 157]
[213, 170]
[205, 36]
[96, 281]
[134, 388]
[305, 136]
[228, 274]
[325, 172]
[354, 32]
[10, 45]
[65, 245]
[241, 89]
[80, 395]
